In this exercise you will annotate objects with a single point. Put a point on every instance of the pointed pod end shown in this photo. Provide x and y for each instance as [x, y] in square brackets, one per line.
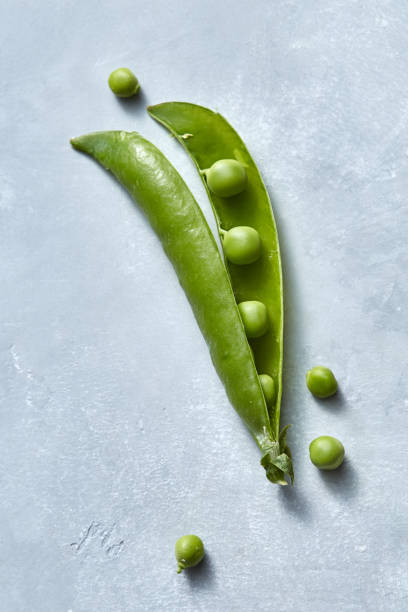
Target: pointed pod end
[97, 143]
[152, 108]
[77, 143]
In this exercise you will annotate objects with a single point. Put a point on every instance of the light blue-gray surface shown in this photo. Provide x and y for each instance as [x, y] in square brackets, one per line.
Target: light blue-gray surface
[116, 434]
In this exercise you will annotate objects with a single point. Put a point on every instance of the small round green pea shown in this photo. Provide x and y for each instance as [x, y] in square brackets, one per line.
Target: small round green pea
[226, 177]
[254, 317]
[189, 552]
[321, 382]
[123, 83]
[268, 387]
[326, 452]
[242, 245]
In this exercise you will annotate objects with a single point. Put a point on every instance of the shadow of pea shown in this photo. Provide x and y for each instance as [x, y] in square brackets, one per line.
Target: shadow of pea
[342, 482]
[336, 402]
[202, 575]
[294, 315]
[135, 105]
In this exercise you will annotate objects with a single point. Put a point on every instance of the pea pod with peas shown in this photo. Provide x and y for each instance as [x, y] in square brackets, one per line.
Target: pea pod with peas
[247, 228]
[213, 293]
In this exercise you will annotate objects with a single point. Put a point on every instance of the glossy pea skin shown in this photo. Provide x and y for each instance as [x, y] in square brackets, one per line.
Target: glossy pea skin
[254, 317]
[268, 387]
[189, 552]
[242, 245]
[326, 452]
[321, 382]
[226, 178]
[123, 83]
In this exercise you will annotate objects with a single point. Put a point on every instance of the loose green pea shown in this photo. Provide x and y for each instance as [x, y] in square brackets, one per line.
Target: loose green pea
[268, 387]
[321, 382]
[254, 317]
[326, 452]
[226, 177]
[242, 245]
[189, 552]
[123, 83]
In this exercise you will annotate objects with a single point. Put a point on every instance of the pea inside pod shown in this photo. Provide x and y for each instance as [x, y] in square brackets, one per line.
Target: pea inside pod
[242, 245]
[268, 387]
[226, 177]
[255, 318]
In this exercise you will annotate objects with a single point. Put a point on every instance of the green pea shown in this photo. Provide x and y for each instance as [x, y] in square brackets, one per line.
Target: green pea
[321, 382]
[254, 317]
[189, 552]
[326, 452]
[268, 387]
[123, 83]
[226, 177]
[242, 245]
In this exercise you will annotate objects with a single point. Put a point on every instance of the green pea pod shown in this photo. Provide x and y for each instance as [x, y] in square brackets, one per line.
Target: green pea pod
[208, 137]
[189, 244]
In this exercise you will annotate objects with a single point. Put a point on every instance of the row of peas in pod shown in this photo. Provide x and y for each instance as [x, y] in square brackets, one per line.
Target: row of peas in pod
[242, 246]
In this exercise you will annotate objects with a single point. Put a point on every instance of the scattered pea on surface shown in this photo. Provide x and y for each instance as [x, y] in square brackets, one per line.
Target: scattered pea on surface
[321, 382]
[123, 83]
[326, 452]
[254, 317]
[189, 552]
[242, 245]
[226, 178]
[268, 387]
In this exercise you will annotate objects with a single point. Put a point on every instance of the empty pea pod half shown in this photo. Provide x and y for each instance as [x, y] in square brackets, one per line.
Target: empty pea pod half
[171, 210]
[242, 212]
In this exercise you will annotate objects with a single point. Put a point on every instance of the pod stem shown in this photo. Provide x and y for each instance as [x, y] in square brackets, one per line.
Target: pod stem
[180, 568]
[277, 460]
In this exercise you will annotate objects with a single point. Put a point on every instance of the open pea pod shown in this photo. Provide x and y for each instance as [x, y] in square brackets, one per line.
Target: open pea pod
[208, 138]
[189, 244]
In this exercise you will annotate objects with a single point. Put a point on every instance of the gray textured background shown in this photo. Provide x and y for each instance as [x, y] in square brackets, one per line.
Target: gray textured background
[116, 435]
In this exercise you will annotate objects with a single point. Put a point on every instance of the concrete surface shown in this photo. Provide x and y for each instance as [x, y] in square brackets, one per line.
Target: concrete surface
[116, 435]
